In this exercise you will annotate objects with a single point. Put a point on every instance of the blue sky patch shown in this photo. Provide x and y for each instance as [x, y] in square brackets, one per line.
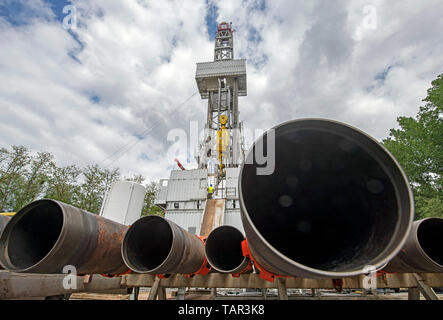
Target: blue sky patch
[57, 7]
[94, 99]
[382, 75]
[17, 13]
[211, 19]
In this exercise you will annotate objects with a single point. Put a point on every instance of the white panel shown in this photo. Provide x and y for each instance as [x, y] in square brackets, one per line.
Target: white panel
[123, 202]
[186, 219]
[185, 185]
[233, 218]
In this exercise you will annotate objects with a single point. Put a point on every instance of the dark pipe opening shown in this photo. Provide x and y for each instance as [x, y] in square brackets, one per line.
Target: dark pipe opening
[429, 236]
[148, 243]
[329, 204]
[35, 234]
[223, 248]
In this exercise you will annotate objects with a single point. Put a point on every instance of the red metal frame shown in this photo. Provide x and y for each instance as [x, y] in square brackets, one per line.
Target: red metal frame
[264, 274]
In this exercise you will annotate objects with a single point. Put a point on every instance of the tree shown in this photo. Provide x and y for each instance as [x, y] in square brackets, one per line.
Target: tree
[137, 178]
[25, 178]
[96, 183]
[149, 206]
[418, 146]
[63, 185]
[33, 180]
[13, 166]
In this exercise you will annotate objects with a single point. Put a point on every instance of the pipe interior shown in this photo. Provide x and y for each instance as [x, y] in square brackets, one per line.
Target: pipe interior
[35, 234]
[223, 248]
[429, 236]
[148, 243]
[328, 204]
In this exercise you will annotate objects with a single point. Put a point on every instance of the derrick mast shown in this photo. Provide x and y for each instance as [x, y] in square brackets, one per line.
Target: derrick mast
[221, 82]
[184, 196]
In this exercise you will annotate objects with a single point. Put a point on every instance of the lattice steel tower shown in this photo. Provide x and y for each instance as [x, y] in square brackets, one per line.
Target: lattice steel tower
[222, 82]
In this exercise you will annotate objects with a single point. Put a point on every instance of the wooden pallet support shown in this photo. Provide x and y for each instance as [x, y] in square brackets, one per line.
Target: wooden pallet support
[426, 290]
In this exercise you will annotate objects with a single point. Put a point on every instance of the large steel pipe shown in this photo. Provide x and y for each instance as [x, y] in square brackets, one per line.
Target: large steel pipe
[423, 250]
[336, 202]
[224, 250]
[156, 245]
[47, 235]
[3, 222]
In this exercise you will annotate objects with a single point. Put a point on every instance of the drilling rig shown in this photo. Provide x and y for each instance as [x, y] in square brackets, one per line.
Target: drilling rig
[184, 195]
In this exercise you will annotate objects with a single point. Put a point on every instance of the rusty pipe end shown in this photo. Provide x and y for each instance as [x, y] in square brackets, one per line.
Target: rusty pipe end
[223, 250]
[156, 245]
[48, 235]
[147, 244]
[31, 235]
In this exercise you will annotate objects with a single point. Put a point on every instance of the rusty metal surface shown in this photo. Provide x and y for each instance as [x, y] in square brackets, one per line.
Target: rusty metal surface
[336, 202]
[48, 235]
[22, 285]
[217, 280]
[423, 250]
[212, 216]
[156, 245]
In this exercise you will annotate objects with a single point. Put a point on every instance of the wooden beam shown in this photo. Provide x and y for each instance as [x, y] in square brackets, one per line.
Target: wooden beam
[154, 289]
[413, 294]
[25, 285]
[426, 290]
[282, 291]
[217, 280]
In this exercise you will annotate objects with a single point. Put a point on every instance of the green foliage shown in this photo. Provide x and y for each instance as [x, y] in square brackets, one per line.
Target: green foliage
[25, 178]
[418, 146]
[13, 171]
[151, 190]
[96, 182]
[62, 184]
[150, 208]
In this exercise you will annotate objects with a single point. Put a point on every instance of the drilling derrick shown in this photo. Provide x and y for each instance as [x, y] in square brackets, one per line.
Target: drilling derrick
[184, 196]
[221, 82]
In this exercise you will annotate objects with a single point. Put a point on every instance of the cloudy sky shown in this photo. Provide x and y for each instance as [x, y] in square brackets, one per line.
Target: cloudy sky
[111, 89]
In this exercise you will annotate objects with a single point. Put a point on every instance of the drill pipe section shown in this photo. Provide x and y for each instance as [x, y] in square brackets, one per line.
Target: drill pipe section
[336, 202]
[422, 251]
[156, 245]
[47, 235]
[223, 249]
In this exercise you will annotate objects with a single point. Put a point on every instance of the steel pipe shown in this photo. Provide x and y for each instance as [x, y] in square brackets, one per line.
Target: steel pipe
[47, 235]
[156, 245]
[423, 250]
[223, 250]
[336, 203]
[3, 222]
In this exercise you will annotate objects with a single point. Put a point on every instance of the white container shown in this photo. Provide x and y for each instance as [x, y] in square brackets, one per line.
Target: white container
[123, 202]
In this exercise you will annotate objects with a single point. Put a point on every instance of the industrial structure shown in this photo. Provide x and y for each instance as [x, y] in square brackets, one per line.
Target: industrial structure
[184, 195]
[334, 203]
